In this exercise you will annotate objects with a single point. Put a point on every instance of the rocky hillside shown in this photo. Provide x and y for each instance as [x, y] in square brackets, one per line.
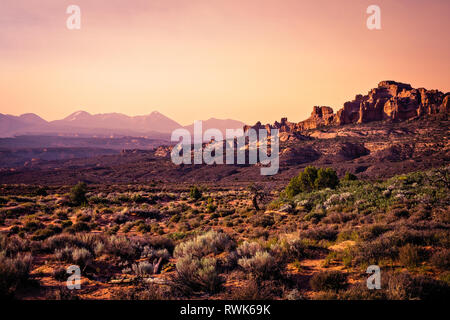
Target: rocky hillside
[391, 101]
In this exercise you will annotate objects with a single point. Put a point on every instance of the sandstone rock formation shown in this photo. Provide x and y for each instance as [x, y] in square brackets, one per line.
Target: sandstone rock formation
[391, 101]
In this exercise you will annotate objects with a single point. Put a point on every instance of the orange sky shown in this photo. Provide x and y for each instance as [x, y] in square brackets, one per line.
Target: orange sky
[193, 59]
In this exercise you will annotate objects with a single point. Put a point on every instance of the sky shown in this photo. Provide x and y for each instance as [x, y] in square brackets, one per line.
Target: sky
[249, 60]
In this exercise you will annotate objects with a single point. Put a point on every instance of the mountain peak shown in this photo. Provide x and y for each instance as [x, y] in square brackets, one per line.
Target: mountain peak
[32, 118]
[77, 115]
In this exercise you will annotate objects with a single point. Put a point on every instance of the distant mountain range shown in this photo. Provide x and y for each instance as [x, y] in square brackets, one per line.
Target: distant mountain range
[81, 123]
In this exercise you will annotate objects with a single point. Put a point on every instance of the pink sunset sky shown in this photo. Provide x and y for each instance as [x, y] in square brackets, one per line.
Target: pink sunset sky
[193, 59]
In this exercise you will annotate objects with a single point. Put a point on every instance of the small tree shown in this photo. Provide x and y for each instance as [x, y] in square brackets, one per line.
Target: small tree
[307, 178]
[78, 194]
[195, 193]
[294, 187]
[326, 178]
[257, 193]
[311, 179]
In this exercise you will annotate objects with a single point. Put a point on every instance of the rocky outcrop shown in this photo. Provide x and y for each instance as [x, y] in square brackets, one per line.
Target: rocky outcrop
[321, 116]
[283, 126]
[391, 100]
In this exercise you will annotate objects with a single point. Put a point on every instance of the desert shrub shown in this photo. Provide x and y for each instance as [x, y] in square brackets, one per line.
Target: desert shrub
[78, 227]
[144, 268]
[120, 247]
[196, 271]
[248, 249]
[253, 290]
[348, 235]
[100, 200]
[261, 266]
[339, 217]
[12, 245]
[225, 212]
[263, 220]
[143, 227]
[359, 291]
[195, 193]
[367, 253]
[32, 225]
[373, 231]
[14, 273]
[175, 218]
[198, 274]
[64, 254]
[315, 216]
[322, 233]
[400, 213]
[151, 213]
[121, 218]
[81, 257]
[403, 286]
[127, 227]
[61, 214]
[328, 280]
[409, 255]
[210, 207]
[63, 240]
[402, 236]
[77, 194]
[60, 274]
[84, 217]
[113, 230]
[161, 242]
[151, 253]
[300, 249]
[210, 242]
[441, 259]
[43, 234]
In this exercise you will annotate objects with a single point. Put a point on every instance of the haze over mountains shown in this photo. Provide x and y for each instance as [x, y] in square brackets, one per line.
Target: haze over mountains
[81, 123]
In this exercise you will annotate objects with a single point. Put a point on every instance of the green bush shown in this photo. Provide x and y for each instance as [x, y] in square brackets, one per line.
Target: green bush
[78, 194]
[328, 280]
[78, 227]
[311, 179]
[326, 178]
[195, 193]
